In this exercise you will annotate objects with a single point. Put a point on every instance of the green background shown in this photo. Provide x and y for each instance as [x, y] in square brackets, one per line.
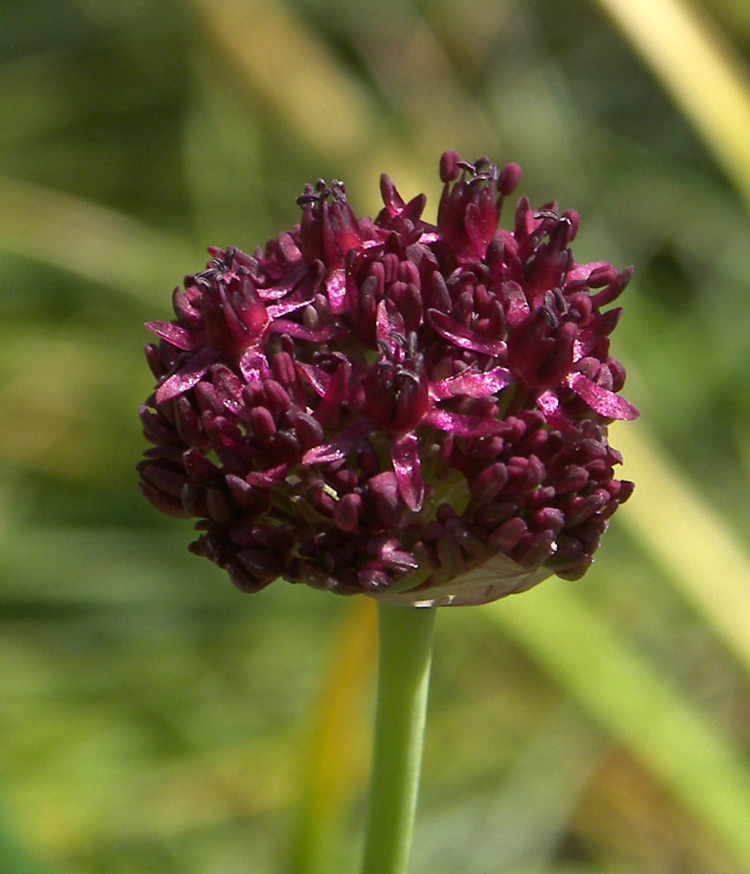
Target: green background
[152, 718]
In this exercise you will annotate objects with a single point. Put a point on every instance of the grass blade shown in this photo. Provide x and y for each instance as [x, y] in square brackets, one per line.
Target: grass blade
[628, 697]
[701, 71]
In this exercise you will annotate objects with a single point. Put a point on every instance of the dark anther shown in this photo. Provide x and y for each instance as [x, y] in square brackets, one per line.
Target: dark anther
[338, 190]
[561, 303]
[403, 371]
[217, 267]
[411, 345]
[308, 196]
[485, 169]
[399, 340]
[321, 191]
[547, 214]
[482, 170]
[549, 315]
[385, 351]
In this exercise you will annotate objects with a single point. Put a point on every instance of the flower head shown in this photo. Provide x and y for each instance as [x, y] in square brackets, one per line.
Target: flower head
[411, 411]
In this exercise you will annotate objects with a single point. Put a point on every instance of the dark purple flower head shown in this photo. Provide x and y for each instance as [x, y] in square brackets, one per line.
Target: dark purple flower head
[411, 411]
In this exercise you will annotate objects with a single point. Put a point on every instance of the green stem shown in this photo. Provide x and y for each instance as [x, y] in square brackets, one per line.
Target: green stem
[405, 653]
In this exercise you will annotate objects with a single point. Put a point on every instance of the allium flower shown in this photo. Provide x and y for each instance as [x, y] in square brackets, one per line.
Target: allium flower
[411, 411]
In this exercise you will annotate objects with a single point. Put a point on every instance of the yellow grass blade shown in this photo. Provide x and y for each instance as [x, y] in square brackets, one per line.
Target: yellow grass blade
[700, 69]
[628, 697]
[97, 243]
[336, 761]
[687, 538]
[295, 72]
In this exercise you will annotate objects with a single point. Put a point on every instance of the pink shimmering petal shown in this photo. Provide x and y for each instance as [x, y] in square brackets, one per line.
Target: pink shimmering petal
[461, 425]
[276, 310]
[267, 479]
[283, 286]
[406, 466]
[335, 394]
[254, 367]
[389, 325]
[302, 293]
[463, 337]
[548, 403]
[315, 335]
[601, 400]
[517, 304]
[188, 376]
[318, 379]
[472, 384]
[583, 271]
[391, 555]
[175, 335]
[341, 446]
[336, 288]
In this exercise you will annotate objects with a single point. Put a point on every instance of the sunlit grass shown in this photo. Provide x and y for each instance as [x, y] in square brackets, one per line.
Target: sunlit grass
[701, 69]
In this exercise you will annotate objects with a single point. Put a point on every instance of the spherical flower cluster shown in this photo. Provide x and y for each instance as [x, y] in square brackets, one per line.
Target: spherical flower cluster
[411, 411]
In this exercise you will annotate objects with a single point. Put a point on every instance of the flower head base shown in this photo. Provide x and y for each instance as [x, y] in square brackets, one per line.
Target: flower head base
[410, 411]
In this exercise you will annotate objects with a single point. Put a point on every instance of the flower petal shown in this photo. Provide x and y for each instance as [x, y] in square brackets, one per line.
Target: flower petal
[586, 271]
[318, 378]
[472, 384]
[174, 334]
[406, 466]
[601, 400]
[185, 378]
[462, 336]
[314, 335]
[389, 324]
[340, 446]
[335, 393]
[463, 426]
[254, 367]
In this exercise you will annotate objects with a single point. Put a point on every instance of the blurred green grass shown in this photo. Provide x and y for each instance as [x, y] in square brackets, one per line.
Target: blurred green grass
[152, 718]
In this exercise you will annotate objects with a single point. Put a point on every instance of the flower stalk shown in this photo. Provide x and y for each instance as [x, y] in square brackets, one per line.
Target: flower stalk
[405, 636]
[411, 411]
